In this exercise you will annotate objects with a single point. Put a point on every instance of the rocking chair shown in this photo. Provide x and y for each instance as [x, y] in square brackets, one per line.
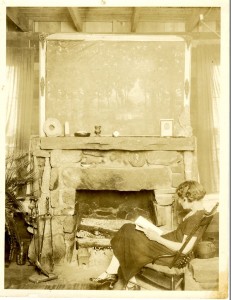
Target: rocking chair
[172, 276]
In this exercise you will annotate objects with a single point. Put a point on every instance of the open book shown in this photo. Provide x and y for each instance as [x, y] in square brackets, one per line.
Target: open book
[142, 223]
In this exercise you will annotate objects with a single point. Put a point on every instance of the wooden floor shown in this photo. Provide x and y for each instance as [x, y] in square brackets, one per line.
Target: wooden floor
[70, 277]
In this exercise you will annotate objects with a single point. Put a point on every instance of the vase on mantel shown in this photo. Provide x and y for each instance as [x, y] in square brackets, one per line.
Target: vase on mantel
[97, 130]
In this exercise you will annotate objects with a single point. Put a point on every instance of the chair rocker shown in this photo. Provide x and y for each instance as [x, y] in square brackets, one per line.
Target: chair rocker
[172, 275]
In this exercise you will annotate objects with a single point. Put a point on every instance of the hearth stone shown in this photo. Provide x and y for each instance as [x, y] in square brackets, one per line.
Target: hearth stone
[46, 257]
[120, 179]
[60, 157]
[83, 256]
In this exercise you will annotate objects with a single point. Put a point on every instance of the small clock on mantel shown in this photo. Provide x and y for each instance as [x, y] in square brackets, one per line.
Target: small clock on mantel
[166, 127]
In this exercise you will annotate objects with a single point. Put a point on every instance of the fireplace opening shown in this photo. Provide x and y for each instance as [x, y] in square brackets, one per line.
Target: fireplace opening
[102, 213]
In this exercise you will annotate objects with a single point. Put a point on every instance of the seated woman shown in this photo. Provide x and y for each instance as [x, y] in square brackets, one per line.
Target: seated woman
[133, 249]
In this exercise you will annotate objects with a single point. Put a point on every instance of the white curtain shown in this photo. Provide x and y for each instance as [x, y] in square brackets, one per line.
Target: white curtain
[20, 70]
[205, 112]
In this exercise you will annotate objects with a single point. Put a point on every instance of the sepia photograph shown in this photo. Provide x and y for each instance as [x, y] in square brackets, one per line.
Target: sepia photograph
[115, 149]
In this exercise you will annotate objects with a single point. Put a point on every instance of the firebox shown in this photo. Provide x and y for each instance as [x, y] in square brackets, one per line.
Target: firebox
[102, 213]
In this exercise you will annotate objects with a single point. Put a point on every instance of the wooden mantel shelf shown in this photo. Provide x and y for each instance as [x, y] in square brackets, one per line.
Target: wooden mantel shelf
[128, 143]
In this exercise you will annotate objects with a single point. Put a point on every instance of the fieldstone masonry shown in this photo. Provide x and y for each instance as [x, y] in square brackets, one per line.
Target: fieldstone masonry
[203, 274]
[69, 164]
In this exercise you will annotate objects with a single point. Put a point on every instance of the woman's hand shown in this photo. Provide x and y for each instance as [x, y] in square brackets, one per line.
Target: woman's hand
[151, 235]
[175, 246]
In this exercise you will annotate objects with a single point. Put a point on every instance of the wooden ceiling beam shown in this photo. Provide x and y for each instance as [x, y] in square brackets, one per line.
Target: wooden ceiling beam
[76, 18]
[134, 19]
[18, 36]
[13, 14]
[34, 36]
[51, 18]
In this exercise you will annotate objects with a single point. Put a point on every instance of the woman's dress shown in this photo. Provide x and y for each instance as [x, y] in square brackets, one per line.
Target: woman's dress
[134, 250]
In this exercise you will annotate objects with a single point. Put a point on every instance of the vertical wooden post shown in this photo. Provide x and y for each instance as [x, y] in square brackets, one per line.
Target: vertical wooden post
[42, 80]
[189, 157]
[187, 89]
[184, 118]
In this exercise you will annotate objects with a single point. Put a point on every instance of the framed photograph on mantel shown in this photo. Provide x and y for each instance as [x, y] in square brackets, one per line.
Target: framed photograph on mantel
[166, 127]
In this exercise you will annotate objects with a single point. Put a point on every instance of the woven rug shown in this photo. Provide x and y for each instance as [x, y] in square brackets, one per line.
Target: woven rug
[57, 286]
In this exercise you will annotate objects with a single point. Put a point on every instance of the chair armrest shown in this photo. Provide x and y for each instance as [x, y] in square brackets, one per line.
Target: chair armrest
[163, 256]
[179, 260]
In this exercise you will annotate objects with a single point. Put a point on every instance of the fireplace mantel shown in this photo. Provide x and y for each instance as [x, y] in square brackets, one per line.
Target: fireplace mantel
[128, 143]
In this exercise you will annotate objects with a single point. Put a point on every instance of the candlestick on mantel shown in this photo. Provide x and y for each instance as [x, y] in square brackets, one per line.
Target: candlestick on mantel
[66, 129]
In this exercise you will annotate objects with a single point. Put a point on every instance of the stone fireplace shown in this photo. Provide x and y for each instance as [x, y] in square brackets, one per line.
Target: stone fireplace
[102, 182]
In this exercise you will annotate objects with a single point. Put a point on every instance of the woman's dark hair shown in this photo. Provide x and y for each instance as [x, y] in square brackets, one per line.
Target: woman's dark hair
[191, 189]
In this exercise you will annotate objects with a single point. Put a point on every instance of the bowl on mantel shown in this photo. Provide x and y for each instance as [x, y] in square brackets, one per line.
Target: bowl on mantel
[82, 134]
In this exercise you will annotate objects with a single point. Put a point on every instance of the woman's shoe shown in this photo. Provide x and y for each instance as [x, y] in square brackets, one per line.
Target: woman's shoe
[119, 285]
[110, 278]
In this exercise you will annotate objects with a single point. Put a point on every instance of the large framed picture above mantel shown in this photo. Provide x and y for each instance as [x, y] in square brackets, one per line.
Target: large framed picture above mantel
[124, 83]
